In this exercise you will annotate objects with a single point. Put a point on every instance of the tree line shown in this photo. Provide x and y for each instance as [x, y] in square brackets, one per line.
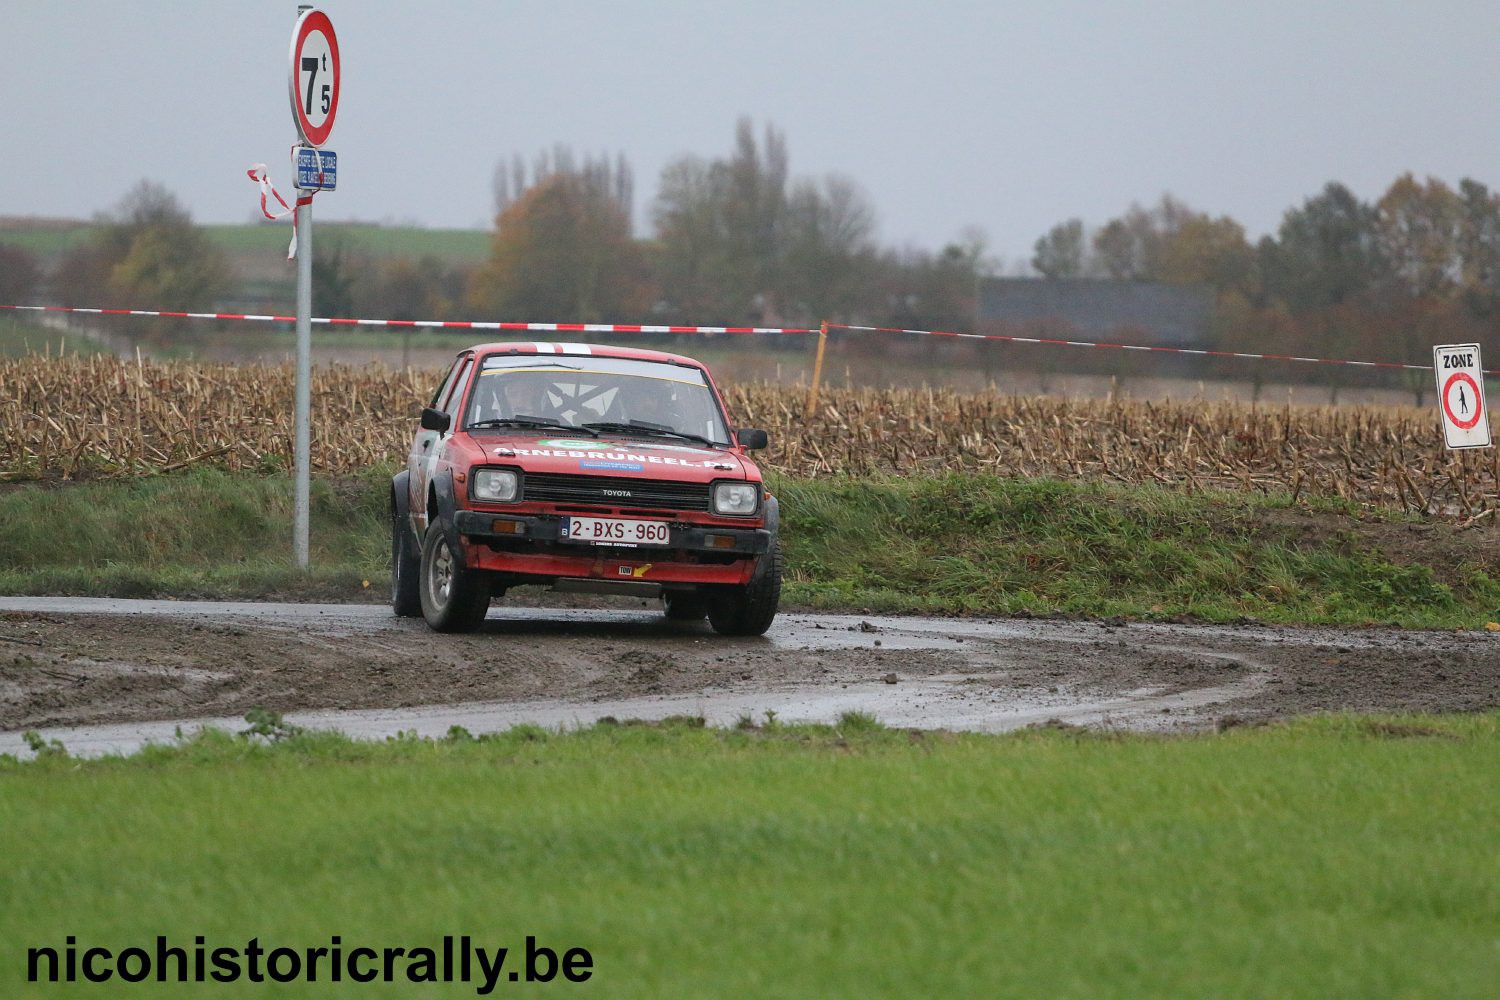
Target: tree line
[738, 239]
[1340, 277]
[735, 240]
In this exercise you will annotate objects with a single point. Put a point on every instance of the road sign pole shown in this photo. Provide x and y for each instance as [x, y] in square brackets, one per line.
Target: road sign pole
[314, 93]
[303, 429]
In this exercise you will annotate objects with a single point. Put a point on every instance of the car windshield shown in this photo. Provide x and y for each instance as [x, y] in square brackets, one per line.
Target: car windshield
[572, 391]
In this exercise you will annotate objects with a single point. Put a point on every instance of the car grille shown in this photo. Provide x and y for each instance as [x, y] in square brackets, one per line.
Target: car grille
[647, 493]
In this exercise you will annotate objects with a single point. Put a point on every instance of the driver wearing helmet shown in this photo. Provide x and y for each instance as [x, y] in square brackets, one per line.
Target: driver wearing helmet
[651, 403]
[525, 396]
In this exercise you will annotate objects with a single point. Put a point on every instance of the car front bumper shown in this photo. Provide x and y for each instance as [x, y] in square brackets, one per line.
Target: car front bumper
[528, 545]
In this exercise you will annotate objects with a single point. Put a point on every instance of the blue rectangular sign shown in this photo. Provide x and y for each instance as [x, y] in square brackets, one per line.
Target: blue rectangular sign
[317, 169]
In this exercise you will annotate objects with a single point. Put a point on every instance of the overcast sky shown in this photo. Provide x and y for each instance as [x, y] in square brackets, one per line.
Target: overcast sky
[1008, 117]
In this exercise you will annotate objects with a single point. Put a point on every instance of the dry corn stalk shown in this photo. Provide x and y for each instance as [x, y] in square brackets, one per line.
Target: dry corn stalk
[89, 416]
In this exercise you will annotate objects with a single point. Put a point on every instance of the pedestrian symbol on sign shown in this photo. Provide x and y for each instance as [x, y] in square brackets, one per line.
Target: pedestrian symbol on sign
[1460, 385]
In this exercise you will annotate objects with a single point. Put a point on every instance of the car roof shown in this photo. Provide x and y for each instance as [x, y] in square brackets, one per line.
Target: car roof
[592, 350]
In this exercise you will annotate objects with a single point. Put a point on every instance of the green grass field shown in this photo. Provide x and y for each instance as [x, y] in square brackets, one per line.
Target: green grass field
[456, 245]
[1327, 857]
[45, 241]
[970, 544]
[19, 338]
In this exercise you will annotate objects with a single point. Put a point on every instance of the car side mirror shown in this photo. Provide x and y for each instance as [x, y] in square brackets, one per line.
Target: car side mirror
[752, 438]
[435, 420]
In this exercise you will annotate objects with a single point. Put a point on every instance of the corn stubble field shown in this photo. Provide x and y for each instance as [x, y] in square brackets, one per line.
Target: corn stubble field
[87, 417]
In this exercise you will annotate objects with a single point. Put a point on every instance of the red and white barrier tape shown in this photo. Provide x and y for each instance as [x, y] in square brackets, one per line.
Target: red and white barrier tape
[1139, 347]
[436, 324]
[424, 324]
[258, 173]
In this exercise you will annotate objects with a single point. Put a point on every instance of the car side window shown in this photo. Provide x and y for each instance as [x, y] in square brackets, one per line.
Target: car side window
[445, 385]
[462, 383]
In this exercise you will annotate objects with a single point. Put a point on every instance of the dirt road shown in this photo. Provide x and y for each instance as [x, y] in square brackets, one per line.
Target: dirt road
[106, 675]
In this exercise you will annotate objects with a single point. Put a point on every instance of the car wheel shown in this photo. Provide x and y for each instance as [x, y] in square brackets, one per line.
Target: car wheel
[406, 578]
[685, 605]
[454, 597]
[749, 610]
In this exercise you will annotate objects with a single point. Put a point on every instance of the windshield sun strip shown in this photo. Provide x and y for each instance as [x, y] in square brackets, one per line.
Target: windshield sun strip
[594, 371]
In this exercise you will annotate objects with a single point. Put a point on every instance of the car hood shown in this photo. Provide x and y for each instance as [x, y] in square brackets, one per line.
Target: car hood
[610, 455]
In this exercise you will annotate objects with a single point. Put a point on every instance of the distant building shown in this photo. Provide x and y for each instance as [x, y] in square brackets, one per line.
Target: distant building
[1090, 308]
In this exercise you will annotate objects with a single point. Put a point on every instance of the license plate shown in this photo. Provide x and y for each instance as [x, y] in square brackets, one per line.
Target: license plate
[615, 531]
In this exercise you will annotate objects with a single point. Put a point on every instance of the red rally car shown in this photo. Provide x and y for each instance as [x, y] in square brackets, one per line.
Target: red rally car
[588, 469]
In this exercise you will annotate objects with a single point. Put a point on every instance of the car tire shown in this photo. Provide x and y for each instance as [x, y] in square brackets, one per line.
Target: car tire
[749, 610]
[454, 597]
[685, 605]
[406, 570]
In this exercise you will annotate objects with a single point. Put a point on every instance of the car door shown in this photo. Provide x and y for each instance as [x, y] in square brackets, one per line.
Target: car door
[418, 460]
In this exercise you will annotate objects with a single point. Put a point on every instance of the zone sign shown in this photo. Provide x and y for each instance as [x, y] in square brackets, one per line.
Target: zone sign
[1460, 385]
[315, 76]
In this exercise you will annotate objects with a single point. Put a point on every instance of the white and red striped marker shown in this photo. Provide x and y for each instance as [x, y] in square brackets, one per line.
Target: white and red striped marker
[258, 173]
[437, 324]
[1137, 347]
[425, 324]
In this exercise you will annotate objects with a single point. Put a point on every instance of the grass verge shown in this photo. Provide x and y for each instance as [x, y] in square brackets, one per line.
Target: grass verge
[983, 544]
[206, 534]
[969, 544]
[1329, 856]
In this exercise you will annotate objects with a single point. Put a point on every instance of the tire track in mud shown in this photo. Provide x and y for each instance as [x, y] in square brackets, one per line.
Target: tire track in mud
[110, 673]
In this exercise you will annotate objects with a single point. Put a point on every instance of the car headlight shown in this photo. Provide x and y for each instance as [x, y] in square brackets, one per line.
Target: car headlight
[736, 498]
[498, 485]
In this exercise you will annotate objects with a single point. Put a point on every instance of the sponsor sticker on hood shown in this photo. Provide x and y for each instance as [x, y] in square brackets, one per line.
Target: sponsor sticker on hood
[612, 466]
[632, 459]
[606, 456]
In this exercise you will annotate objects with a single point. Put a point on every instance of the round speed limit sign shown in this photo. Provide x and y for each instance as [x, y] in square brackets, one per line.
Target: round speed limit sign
[315, 76]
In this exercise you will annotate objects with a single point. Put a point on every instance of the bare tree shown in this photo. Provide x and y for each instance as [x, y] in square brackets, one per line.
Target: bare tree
[738, 240]
[609, 183]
